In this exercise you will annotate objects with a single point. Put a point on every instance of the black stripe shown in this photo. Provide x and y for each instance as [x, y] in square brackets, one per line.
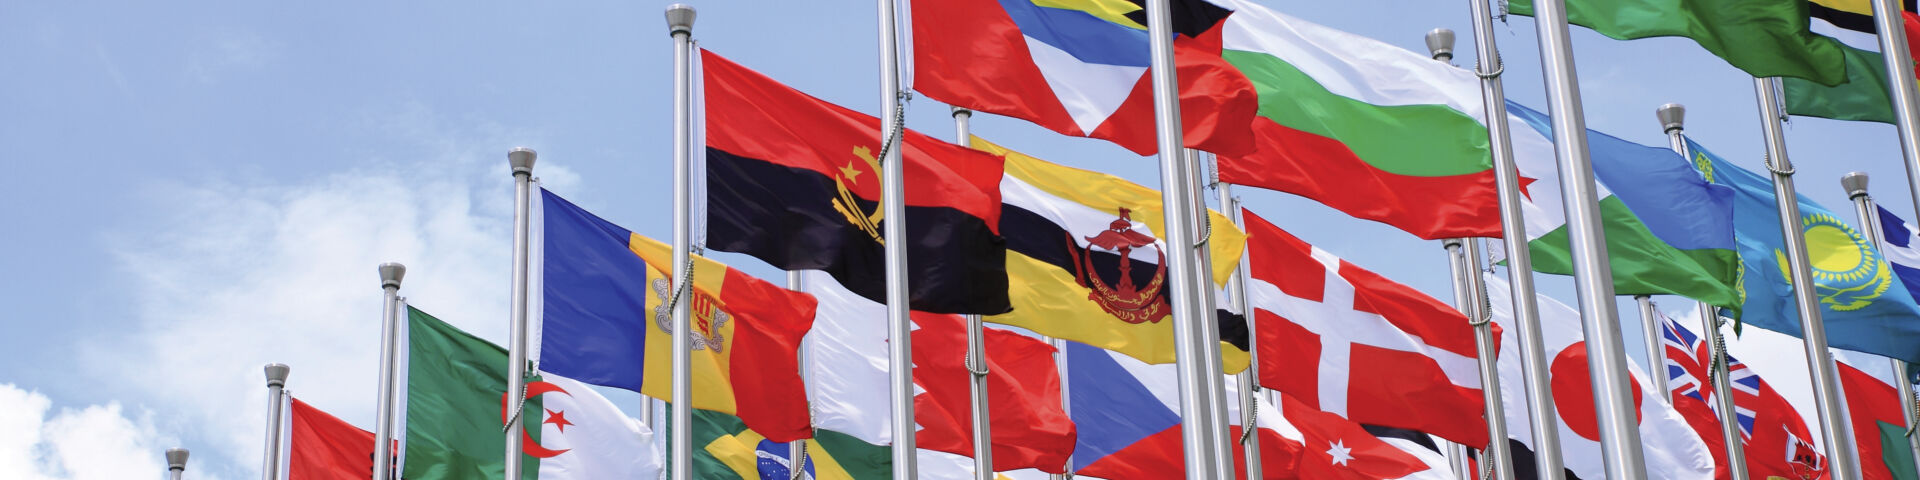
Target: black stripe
[1404, 434]
[1849, 20]
[1190, 17]
[1233, 328]
[785, 216]
[1524, 466]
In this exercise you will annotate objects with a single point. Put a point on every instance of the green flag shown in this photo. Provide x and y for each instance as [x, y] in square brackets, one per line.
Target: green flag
[455, 383]
[725, 449]
[1864, 97]
[1766, 38]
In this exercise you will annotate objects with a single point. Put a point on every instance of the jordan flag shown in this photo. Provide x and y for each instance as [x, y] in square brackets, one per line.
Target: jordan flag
[1672, 446]
[1386, 354]
[795, 181]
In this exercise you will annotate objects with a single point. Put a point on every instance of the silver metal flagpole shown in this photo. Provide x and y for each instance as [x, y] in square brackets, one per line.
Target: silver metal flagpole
[976, 347]
[1843, 460]
[1856, 185]
[1469, 295]
[1066, 398]
[893, 201]
[390, 276]
[176, 462]
[1526, 313]
[1673, 118]
[1175, 182]
[680, 25]
[276, 384]
[1894, 49]
[1593, 277]
[1656, 351]
[797, 449]
[1249, 380]
[520, 160]
[1214, 384]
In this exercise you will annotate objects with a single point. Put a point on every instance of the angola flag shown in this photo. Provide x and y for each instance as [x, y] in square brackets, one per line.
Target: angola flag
[605, 321]
[1086, 263]
[795, 181]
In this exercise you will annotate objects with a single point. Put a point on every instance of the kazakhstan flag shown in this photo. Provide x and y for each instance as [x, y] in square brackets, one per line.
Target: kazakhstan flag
[1864, 305]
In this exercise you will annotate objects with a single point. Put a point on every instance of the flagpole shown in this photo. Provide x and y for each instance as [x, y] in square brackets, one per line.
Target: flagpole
[1833, 418]
[1593, 277]
[797, 449]
[1656, 351]
[1219, 431]
[1249, 379]
[1066, 399]
[1856, 185]
[680, 25]
[276, 384]
[1673, 118]
[176, 462]
[390, 276]
[1175, 182]
[976, 346]
[893, 202]
[1469, 295]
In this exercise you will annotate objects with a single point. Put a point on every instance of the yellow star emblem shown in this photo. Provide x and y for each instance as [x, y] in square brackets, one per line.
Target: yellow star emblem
[851, 173]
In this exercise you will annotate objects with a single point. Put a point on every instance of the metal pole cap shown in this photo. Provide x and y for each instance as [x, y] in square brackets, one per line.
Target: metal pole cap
[177, 459]
[277, 374]
[1673, 116]
[958, 111]
[1440, 42]
[680, 19]
[1855, 183]
[390, 274]
[521, 159]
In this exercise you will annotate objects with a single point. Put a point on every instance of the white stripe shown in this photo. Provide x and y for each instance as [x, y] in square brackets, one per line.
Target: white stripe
[1437, 466]
[1856, 39]
[1078, 219]
[1903, 256]
[602, 442]
[846, 362]
[1162, 380]
[1340, 326]
[1091, 92]
[1533, 157]
[1350, 65]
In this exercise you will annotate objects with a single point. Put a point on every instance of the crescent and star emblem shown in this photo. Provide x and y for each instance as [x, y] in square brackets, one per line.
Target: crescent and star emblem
[1125, 301]
[558, 419]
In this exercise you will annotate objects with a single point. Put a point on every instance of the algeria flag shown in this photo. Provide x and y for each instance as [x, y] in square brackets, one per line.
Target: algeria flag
[454, 409]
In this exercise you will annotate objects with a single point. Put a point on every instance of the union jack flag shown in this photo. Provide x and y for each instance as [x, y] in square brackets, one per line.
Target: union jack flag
[1689, 370]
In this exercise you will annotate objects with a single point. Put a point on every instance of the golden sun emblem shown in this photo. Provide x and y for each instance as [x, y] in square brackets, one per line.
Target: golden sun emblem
[848, 205]
[1848, 274]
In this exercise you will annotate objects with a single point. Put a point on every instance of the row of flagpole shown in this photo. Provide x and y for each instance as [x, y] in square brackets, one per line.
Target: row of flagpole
[1856, 185]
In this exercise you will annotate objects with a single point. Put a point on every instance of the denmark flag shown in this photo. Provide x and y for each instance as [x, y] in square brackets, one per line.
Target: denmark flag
[1386, 354]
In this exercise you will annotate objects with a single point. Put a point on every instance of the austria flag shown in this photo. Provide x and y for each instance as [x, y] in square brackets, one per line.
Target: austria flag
[1080, 68]
[1348, 341]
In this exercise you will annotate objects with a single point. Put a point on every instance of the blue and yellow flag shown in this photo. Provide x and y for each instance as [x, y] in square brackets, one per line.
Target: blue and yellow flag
[1864, 305]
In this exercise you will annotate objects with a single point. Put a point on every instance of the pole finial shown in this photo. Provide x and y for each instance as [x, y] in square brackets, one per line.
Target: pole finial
[680, 19]
[390, 275]
[521, 159]
[1440, 43]
[177, 459]
[1855, 183]
[958, 111]
[277, 374]
[1673, 116]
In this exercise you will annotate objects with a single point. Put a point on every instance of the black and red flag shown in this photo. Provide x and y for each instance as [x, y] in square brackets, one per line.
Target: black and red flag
[795, 181]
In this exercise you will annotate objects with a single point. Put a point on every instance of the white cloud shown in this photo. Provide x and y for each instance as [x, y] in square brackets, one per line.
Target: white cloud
[237, 275]
[97, 442]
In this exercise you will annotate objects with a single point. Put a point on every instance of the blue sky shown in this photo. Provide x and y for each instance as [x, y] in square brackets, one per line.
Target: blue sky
[203, 187]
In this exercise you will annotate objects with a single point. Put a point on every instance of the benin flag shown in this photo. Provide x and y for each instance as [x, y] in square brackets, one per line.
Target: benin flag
[1085, 261]
[606, 322]
[795, 181]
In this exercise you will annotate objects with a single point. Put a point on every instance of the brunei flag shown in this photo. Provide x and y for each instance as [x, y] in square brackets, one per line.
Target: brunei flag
[1086, 263]
[795, 181]
[605, 320]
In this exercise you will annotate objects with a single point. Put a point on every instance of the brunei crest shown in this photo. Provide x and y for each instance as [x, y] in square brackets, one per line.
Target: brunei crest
[849, 205]
[1124, 300]
[1847, 272]
[706, 315]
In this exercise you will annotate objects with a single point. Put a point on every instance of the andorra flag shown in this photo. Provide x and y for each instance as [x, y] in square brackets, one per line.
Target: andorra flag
[795, 181]
[606, 321]
[1086, 263]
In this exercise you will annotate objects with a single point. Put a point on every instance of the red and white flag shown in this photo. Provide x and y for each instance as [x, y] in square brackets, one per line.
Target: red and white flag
[1385, 353]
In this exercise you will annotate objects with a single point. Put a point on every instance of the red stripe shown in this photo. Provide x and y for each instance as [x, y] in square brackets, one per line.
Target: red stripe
[752, 116]
[322, 447]
[1030, 429]
[767, 390]
[1159, 456]
[1869, 402]
[1327, 171]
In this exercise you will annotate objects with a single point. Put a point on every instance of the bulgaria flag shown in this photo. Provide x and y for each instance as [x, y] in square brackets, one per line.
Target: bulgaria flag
[1672, 447]
[1367, 128]
[604, 320]
[455, 400]
[1668, 230]
[1345, 340]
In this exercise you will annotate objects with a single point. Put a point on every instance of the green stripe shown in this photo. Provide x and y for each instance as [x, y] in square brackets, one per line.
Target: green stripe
[1413, 140]
[1643, 264]
[1863, 98]
[1766, 38]
[454, 380]
[862, 460]
[1895, 452]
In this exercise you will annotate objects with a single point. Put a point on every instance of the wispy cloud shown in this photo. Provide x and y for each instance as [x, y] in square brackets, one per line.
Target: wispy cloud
[98, 442]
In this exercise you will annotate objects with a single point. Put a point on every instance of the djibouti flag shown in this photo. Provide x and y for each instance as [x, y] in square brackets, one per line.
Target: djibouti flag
[1864, 305]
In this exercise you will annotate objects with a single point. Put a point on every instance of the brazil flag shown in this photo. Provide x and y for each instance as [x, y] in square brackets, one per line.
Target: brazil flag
[724, 449]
